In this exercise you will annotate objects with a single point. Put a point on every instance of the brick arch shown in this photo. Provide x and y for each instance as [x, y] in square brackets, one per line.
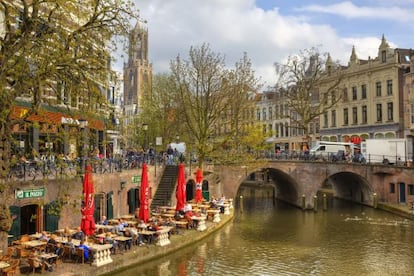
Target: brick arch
[349, 186]
[287, 188]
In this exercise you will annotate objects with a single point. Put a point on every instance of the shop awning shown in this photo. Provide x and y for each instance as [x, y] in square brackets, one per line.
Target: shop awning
[55, 117]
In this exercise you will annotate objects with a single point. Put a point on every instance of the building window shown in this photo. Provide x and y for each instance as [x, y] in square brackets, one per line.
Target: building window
[384, 56]
[325, 120]
[354, 93]
[346, 116]
[258, 115]
[345, 95]
[389, 87]
[378, 88]
[379, 112]
[364, 114]
[354, 115]
[363, 91]
[333, 117]
[264, 114]
[412, 113]
[390, 111]
[270, 113]
[411, 189]
[392, 188]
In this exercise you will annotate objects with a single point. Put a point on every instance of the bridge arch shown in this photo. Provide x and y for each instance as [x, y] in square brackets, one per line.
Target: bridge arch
[287, 189]
[349, 186]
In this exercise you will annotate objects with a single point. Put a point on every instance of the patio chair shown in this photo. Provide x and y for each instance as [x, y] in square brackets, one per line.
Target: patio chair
[67, 252]
[80, 255]
[13, 269]
[35, 264]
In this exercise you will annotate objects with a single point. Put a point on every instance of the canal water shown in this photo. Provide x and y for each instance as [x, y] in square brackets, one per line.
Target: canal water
[270, 238]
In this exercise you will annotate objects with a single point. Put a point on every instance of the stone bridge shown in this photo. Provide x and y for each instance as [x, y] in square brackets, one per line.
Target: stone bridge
[298, 182]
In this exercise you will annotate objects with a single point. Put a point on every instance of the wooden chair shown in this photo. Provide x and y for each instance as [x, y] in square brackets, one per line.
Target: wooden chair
[35, 264]
[13, 269]
[23, 252]
[80, 255]
[59, 259]
[67, 252]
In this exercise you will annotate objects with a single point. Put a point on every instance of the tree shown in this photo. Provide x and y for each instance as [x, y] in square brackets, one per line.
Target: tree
[52, 52]
[209, 99]
[309, 86]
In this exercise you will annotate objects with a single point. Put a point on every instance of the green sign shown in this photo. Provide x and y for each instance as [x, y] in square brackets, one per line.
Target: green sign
[136, 179]
[30, 193]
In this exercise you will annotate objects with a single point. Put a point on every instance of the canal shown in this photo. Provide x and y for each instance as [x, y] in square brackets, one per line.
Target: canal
[272, 238]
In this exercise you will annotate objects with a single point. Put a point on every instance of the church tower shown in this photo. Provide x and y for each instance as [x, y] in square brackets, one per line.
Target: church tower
[137, 71]
[137, 78]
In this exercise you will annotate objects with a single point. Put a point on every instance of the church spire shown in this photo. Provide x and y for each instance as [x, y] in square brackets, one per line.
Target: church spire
[354, 58]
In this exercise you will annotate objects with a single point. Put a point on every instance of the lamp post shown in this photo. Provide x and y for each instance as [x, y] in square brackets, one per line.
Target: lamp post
[145, 129]
[83, 124]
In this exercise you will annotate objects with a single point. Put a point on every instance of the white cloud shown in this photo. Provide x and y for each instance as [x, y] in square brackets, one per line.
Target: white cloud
[349, 10]
[232, 27]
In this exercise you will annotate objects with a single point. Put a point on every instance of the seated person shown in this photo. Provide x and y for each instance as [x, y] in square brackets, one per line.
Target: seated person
[53, 245]
[66, 232]
[71, 245]
[142, 225]
[79, 235]
[103, 221]
[133, 233]
[109, 240]
[44, 236]
[85, 250]
[188, 207]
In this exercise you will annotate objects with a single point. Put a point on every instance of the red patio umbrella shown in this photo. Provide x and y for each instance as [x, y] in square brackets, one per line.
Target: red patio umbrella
[180, 192]
[88, 208]
[199, 178]
[144, 195]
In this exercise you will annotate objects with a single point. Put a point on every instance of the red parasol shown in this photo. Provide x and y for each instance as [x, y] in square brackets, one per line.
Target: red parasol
[88, 208]
[199, 178]
[144, 195]
[180, 192]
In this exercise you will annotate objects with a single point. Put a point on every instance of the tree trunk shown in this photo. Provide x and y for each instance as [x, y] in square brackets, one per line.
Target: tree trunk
[5, 219]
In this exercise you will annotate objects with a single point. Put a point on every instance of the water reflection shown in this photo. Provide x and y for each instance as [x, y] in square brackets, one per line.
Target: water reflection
[268, 239]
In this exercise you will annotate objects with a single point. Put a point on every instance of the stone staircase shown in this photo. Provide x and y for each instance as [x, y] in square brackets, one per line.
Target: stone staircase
[166, 187]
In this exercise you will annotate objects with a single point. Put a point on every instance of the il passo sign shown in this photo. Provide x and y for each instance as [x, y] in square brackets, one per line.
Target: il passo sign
[30, 193]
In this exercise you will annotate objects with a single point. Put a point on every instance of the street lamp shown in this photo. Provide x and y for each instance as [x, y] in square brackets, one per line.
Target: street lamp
[177, 138]
[83, 124]
[145, 129]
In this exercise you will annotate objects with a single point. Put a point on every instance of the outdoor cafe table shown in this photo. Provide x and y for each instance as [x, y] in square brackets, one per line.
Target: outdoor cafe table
[201, 222]
[34, 243]
[122, 240]
[3, 265]
[64, 240]
[181, 223]
[35, 236]
[149, 234]
[167, 215]
[105, 227]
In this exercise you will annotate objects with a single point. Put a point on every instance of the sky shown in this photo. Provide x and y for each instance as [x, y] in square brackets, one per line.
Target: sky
[271, 30]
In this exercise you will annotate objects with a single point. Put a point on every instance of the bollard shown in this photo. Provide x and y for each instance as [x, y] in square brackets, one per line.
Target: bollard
[325, 202]
[375, 199]
[241, 204]
[303, 202]
[315, 203]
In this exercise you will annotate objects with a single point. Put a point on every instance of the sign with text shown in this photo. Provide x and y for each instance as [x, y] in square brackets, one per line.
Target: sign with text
[136, 179]
[30, 193]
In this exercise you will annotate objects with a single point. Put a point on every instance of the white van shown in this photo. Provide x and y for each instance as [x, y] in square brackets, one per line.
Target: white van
[332, 150]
